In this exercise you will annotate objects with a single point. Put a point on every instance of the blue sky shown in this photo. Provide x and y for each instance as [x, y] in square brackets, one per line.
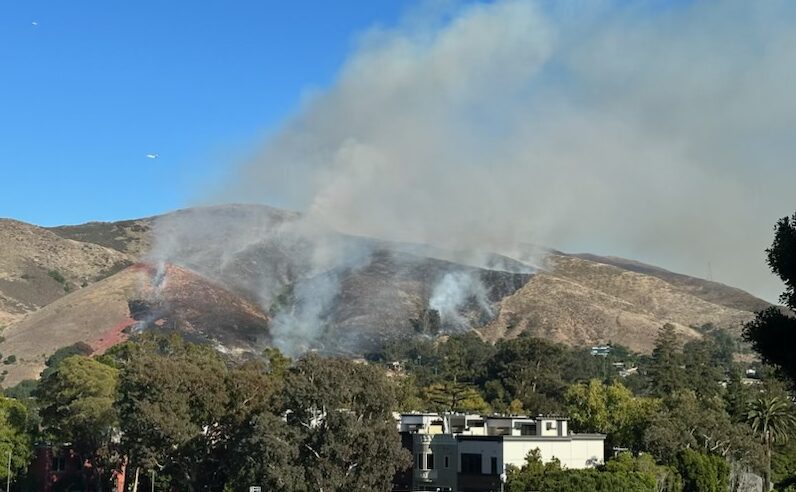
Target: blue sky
[94, 86]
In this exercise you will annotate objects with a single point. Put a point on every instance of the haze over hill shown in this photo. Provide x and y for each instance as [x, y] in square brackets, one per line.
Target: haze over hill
[262, 276]
[580, 128]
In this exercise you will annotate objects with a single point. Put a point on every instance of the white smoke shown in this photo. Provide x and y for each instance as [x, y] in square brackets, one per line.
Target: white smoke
[295, 330]
[290, 263]
[659, 132]
[452, 294]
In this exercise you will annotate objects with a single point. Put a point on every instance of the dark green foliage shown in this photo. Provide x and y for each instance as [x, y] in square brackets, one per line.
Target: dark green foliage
[702, 371]
[783, 465]
[339, 433]
[773, 335]
[23, 390]
[773, 332]
[664, 371]
[202, 424]
[685, 421]
[77, 407]
[57, 276]
[16, 436]
[77, 403]
[465, 357]
[702, 472]
[737, 396]
[529, 370]
[52, 362]
[11, 359]
[172, 395]
[265, 453]
[781, 257]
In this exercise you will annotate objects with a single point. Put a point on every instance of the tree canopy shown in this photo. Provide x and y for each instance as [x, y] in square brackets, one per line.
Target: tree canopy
[773, 331]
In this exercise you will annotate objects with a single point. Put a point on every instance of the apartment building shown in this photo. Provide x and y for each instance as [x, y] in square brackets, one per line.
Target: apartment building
[469, 453]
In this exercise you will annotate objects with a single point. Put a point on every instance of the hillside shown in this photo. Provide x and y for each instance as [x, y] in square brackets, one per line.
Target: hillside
[106, 312]
[582, 302]
[244, 276]
[707, 290]
[37, 267]
[127, 236]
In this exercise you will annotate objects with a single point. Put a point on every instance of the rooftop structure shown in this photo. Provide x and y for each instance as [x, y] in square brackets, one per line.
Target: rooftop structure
[469, 453]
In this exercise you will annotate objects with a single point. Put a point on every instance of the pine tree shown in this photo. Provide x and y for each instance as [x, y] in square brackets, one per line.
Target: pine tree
[665, 372]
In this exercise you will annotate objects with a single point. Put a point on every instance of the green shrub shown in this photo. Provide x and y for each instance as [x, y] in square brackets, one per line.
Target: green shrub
[702, 472]
[629, 474]
[56, 275]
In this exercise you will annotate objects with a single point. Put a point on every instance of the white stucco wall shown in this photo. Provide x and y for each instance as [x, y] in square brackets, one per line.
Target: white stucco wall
[580, 453]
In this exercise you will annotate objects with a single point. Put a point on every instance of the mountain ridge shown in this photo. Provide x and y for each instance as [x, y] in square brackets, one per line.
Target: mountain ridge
[381, 290]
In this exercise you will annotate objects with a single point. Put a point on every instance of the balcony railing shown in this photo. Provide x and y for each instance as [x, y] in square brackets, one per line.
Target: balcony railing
[426, 475]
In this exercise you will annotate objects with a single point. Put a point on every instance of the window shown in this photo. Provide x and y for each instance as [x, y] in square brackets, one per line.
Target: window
[550, 425]
[493, 463]
[447, 464]
[471, 463]
[420, 461]
[528, 430]
[58, 464]
[430, 461]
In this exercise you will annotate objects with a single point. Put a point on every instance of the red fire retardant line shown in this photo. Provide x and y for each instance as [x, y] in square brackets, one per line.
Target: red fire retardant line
[111, 337]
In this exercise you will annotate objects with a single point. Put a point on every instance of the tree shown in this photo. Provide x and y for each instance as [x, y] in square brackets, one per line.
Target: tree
[686, 421]
[530, 370]
[737, 396]
[77, 407]
[702, 372]
[265, 452]
[773, 332]
[258, 446]
[15, 437]
[772, 418]
[52, 362]
[610, 409]
[664, 370]
[629, 475]
[173, 397]
[451, 396]
[465, 358]
[702, 472]
[345, 435]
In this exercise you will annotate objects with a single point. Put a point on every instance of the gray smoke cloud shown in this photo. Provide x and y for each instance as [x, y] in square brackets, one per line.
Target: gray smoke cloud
[659, 132]
[289, 263]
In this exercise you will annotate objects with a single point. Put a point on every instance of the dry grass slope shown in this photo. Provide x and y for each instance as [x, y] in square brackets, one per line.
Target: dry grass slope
[37, 267]
[583, 302]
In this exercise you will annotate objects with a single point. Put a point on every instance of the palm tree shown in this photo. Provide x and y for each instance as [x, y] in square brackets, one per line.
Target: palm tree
[773, 419]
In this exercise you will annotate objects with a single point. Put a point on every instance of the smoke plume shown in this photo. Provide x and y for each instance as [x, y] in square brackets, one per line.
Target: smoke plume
[451, 295]
[659, 132]
[662, 132]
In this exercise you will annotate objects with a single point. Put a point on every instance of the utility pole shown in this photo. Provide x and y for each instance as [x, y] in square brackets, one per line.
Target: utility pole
[152, 481]
[8, 470]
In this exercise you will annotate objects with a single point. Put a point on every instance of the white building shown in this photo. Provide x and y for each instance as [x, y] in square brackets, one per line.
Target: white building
[468, 453]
